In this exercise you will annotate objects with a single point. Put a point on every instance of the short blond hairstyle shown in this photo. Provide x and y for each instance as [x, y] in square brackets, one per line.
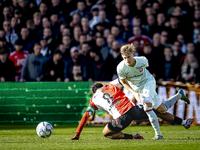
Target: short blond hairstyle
[127, 49]
[36, 15]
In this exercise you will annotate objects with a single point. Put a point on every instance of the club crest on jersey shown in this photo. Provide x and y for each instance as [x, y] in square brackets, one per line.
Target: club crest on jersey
[141, 69]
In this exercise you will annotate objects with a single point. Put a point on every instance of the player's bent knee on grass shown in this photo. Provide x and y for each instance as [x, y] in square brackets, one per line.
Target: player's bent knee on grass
[106, 131]
[111, 134]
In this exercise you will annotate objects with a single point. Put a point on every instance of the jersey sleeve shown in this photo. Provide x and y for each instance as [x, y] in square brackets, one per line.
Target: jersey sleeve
[89, 111]
[120, 72]
[145, 61]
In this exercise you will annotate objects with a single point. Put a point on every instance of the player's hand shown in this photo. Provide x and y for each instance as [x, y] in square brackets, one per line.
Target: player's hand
[76, 137]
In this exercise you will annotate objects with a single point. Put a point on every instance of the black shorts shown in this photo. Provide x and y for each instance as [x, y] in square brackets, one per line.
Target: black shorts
[135, 113]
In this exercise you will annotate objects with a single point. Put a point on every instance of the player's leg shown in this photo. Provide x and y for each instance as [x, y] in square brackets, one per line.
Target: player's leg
[114, 127]
[120, 135]
[148, 100]
[153, 120]
[171, 101]
[174, 119]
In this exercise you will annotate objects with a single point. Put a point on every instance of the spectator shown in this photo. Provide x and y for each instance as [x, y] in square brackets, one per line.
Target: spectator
[27, 39]
[148, 53]
[180, 38]
[164, 38]
[4, 43]
[169, 67]
[197, 46]
[115, 53]
[117, 7]
[76, 59]
[33, 69]
[7, 67]
[157, 47]
[126, 30]
[64, 30]
[76, 20]
[177, 51]
[174, 29]
[101, 47]
[43, 9]
[150, 27]
[82, 39]
[118, 21]
[54, 70]
[24, 9]
[77, 73]
[103, 5]
[103, 19]
[81, 9]
[10, 36]
[66, 41]
[45, 24]
[95, 16]
[101, 71]
[116, 32]
[55, 23]
[109, 40]
[161, 19]
[85, 25]
[139, 9]
[14, 25]
[106, 32]
[190, 49]
[189, 69]
[55, 7]
[37, 21]
[45, 50]
[51, 40]
[31, 27]
[18, 57]
[137, 32]
[84, 52]
[125, 11]
[196, 30]
[6, 13]
[76, 33]
[68, 6]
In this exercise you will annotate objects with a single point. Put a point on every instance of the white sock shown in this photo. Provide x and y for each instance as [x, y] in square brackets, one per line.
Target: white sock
[183, 122]
[171, 101]
[153, 120]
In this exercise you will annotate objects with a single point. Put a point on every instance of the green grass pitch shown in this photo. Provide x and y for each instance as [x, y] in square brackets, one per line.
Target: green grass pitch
[25, 138]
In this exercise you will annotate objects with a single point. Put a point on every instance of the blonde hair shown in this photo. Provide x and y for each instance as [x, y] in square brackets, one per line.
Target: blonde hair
[127, 49]
[36, 15]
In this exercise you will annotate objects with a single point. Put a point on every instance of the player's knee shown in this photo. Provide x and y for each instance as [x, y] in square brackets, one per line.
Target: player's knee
[162, 111]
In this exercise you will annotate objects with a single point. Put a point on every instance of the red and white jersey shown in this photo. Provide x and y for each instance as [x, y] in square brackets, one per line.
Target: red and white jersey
[110, 99]
[18, 58]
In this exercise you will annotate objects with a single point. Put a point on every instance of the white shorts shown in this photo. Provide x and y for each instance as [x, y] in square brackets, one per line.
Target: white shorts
[148, 94]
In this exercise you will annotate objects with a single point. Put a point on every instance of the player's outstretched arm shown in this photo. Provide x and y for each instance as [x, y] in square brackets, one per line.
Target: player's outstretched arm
[129, 88]
[82, 123]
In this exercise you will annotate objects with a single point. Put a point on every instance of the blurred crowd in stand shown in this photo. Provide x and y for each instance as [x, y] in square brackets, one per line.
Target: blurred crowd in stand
[80, 40]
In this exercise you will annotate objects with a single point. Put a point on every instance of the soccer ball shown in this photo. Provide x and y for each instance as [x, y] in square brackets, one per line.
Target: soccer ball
[44, 129]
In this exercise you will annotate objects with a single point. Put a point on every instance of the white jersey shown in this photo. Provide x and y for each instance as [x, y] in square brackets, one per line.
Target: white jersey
[136, 76]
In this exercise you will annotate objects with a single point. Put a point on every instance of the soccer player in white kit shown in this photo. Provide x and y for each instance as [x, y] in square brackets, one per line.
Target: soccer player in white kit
[136, 78]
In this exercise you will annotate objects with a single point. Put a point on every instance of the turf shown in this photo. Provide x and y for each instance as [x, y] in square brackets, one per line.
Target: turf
[25, 138]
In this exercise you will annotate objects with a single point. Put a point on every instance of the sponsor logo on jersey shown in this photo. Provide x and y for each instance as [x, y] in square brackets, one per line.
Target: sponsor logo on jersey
[141, 69]
[135, 76]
